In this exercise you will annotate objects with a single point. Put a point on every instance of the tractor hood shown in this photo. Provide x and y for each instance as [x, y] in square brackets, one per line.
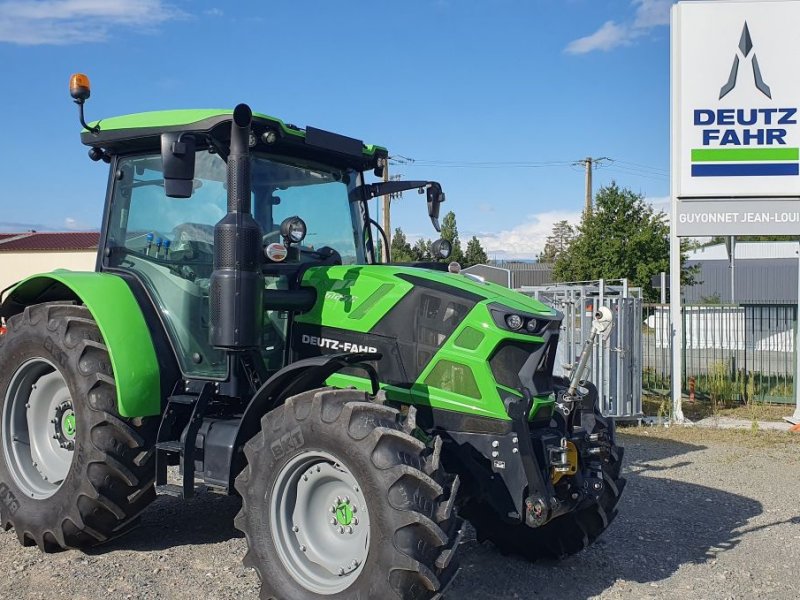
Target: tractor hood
[356, 297]
[487, 290]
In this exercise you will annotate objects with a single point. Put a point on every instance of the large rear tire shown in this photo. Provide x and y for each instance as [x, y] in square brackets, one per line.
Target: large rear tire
[73, 472]
[340, 502]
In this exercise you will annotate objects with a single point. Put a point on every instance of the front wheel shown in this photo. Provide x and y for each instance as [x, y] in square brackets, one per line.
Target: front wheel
[569, 533]
[340, 502]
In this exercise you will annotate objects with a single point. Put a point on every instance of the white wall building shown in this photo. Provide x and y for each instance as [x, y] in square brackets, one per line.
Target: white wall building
[24, 254]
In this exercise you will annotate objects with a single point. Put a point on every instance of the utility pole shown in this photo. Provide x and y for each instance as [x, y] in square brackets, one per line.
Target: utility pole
[588, 163]
[387, 216]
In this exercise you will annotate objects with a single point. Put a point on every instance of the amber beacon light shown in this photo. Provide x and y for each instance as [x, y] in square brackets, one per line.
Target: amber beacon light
[79, 87]
[80, 90]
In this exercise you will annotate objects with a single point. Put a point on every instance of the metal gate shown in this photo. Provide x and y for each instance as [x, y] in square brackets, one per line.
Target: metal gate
[616, 367]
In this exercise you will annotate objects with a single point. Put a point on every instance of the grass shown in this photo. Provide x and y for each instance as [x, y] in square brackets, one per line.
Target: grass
[654, 406]
[743, 438]
[726, 387]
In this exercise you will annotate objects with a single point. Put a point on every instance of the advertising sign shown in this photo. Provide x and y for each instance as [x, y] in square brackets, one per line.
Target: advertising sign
[700, 218]
[736, 105]
[735, 132]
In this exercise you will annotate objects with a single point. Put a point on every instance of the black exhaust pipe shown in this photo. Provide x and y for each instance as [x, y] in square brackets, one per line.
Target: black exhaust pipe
[237, 283]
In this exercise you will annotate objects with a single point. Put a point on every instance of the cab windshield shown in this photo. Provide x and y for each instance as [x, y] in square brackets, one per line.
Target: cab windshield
[319, 196]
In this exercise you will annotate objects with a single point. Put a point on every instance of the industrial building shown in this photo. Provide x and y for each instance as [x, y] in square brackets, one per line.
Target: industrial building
[760, 273]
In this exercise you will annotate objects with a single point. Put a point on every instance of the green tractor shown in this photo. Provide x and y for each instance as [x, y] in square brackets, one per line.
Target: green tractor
[240, 326]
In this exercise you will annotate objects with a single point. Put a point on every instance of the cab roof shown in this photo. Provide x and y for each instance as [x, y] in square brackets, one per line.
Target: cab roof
[142, 131]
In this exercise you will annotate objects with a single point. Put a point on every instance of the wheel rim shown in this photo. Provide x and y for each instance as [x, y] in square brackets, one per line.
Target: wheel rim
[319, 522]
[39, 428]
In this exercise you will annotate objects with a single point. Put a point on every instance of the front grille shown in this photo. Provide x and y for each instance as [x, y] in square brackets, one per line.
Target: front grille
[520, 364]
[508, 360]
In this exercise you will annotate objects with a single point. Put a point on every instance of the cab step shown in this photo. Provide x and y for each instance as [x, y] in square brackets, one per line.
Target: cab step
[177, 437]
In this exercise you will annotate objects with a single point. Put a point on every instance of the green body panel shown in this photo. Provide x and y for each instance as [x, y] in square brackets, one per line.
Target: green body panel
[352, 297]
[125, 332]
[187, 118]
[356, 298]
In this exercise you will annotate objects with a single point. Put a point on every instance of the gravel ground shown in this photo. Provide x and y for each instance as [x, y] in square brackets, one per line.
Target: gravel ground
[706, 514]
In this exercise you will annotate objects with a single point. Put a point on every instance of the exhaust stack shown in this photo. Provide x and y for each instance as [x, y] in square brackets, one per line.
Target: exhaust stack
[237, 284]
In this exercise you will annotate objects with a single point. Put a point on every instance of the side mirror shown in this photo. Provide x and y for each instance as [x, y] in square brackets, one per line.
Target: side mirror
[435, 199]
[177, 161]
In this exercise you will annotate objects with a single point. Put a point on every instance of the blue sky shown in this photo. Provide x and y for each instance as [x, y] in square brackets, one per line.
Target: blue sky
[448, 83]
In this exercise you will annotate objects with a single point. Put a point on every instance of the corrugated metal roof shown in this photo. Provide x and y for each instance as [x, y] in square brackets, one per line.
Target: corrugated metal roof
[754, 250]
[62, 241]
[758, 281]
[747, 251]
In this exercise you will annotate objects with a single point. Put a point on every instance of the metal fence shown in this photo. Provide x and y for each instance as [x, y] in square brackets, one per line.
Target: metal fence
[616, 367]
[735, 353]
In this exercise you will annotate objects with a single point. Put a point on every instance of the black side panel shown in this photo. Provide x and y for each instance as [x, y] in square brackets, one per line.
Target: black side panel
[407, 336]
[423, 320]
[312, 340]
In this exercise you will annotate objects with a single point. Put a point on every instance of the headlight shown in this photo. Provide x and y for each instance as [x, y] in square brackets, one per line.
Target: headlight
[442, 249]
[532, 325]
[514, 322]
[293, 229]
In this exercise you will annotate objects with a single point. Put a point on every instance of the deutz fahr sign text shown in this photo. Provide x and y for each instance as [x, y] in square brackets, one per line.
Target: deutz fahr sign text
[736, 115]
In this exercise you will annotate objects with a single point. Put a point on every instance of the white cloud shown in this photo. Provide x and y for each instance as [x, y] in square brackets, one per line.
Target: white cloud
[72, 224]
[213, 12]
[651, 13]
[660, 203]
[609, 36]
[527, 239]
[60, 22]
[648, 15]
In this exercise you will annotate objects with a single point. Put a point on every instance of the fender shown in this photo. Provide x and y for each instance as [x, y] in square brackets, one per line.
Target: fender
[299, 376]
[120, 319]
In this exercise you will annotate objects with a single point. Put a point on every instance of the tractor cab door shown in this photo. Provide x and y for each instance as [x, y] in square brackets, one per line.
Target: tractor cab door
[168, 244]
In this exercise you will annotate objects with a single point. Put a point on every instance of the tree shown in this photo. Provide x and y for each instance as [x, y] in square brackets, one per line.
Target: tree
[475, 254]
[450, 233]
[401, 249]
[623, 237]
[421, 250]
[557, 242]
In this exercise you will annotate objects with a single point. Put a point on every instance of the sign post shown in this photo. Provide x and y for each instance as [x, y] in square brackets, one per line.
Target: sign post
[735, 132]
[795, 419]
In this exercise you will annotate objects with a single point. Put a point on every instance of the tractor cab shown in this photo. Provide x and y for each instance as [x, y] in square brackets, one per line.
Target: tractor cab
[169, 190]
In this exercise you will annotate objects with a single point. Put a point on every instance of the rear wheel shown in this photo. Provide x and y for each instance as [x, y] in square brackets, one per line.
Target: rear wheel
[73, 472]
[339, 501]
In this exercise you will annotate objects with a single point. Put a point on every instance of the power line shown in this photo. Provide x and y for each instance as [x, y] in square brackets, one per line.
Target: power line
[643, 167]
[604, 162]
